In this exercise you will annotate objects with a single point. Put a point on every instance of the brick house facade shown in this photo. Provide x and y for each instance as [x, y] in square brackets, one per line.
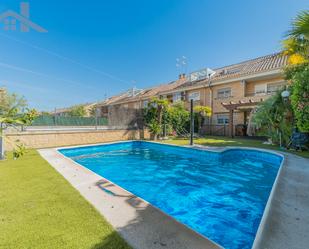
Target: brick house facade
[249, 81]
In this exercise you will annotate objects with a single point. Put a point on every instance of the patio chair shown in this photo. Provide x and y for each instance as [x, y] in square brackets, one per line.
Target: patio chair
[298, 140]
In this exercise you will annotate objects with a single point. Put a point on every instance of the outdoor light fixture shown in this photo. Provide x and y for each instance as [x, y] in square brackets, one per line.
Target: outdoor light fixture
[285, 95]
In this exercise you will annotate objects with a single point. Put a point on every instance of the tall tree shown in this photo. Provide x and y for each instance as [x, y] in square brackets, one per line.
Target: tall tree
[296, 44]
[273, 118]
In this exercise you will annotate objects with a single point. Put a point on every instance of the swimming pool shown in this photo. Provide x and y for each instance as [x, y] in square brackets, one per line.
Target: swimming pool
[220, 195]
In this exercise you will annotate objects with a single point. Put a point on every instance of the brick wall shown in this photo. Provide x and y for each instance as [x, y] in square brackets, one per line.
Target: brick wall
[45, 139]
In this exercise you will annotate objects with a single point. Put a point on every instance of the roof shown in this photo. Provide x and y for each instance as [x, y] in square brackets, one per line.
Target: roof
[262, 64]
[143, 94]
[246, 68]
[67, 109]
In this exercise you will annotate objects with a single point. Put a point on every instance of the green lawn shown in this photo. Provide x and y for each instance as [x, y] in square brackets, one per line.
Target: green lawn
[225, 141]
[40, 209]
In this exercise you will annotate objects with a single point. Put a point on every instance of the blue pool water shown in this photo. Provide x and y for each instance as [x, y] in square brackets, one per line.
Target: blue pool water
[220, 195]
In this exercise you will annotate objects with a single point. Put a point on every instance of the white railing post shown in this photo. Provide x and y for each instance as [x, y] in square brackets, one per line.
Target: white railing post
[1, 147]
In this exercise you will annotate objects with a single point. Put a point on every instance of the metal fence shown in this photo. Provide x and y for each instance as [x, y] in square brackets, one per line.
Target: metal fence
[69, 121]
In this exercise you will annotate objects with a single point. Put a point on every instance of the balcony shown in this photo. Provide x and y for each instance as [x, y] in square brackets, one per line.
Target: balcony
[224, 97]
[261, 93]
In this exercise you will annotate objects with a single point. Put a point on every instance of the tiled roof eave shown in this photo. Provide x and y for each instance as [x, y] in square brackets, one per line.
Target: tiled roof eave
[204, 83]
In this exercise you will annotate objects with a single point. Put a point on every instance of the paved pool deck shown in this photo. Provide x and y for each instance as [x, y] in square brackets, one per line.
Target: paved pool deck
[146, 227]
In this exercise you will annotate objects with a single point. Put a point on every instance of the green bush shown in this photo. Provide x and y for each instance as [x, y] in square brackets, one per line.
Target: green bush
[274, 119]
[299, 77]
[179, 117]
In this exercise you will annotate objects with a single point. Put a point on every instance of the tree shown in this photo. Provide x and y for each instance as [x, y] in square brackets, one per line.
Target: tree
[296, 44]
[153, 115]
[77, 111]
[179, 117]
[202, 112]
[93, 111]
[13, 111]
[44, 113]
[273, 117]
[300, 26]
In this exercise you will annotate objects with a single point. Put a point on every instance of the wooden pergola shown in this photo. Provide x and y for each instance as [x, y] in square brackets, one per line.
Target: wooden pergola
[232, 106]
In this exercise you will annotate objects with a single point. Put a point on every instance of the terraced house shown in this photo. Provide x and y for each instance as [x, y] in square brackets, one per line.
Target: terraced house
[232, 92]
[125, 109]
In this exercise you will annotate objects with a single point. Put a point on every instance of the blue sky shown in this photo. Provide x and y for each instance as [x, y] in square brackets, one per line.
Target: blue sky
[99, 48]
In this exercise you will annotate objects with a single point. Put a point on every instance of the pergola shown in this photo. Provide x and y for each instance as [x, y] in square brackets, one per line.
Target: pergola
[232, 106]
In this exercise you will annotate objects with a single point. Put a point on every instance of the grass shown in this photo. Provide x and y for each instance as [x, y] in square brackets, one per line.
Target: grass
[40, 209]
[225, 141]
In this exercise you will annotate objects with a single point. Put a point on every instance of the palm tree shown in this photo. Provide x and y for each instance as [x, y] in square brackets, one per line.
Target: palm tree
[296, 44]
[300, 26]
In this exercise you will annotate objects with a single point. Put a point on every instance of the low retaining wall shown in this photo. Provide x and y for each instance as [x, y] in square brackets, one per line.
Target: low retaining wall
[47, 139]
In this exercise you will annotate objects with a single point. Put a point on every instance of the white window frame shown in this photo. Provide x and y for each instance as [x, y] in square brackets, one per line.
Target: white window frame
[177, 97]
[224, 117]
[145, 103]
[136, 105]
[260, 89]
[276, 85]
[224, 93]
[196, 96]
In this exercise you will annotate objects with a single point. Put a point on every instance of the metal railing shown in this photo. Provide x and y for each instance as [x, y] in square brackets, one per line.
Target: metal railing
[264, 93]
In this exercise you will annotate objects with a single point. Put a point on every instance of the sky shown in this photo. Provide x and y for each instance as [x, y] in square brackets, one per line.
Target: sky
[96, 49]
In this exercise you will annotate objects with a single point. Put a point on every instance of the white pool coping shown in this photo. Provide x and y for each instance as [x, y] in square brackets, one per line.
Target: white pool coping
[152, 228]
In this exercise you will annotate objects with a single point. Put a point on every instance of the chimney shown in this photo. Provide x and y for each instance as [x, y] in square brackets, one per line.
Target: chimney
[182, 76]
[24, 11]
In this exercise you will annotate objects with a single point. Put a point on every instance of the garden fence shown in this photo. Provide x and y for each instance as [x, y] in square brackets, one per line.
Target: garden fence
[69, 121]
[215, 130]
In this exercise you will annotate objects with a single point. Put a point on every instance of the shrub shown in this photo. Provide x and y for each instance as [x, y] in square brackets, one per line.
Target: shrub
[273, 118]
[178, 117]
[299, 77]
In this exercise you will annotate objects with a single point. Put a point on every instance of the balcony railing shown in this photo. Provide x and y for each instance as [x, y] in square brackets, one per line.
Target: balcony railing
[224, 97]
[264, 93]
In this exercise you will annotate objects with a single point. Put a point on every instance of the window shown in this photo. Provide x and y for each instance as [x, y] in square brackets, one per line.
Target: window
[272, 88]
[177, 97]
[136, 105]
[260, 89]
[195, 96]
[222, 119]
[145, 103]
[224, 93]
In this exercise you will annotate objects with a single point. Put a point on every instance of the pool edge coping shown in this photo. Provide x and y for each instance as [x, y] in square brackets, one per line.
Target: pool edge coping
[56, 150]
[259, 233]
[125, 190]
